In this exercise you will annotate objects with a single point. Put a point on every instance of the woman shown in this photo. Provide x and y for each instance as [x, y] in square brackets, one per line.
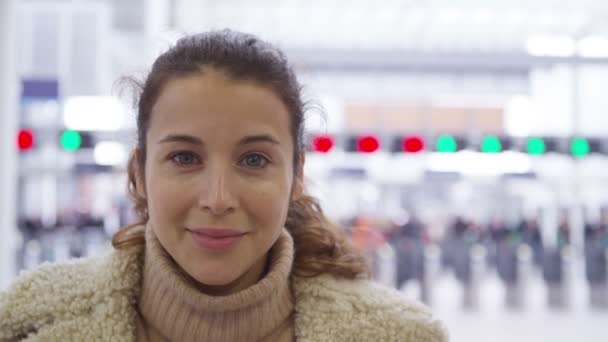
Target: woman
[229, 247]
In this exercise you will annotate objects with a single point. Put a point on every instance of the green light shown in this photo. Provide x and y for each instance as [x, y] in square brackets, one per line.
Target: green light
[536, 146]
[71, 140]
[491, 144]
[579, 147]
[446, 144]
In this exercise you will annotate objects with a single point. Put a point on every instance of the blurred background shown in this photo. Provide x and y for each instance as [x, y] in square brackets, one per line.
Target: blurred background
[464, 146]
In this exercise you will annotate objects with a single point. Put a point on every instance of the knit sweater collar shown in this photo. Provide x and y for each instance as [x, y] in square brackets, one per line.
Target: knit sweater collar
[172, 305]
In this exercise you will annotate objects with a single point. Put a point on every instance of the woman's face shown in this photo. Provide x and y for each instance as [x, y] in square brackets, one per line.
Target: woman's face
[218, 177]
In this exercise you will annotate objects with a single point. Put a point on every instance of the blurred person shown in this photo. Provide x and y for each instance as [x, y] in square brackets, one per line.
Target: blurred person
[229, 246]
[409, 240]
[596, 263]
[507, 246]
[455, 231]
[529, 229]
[492, 236]
[553, 265]
[366, 238]
[456, 248]
[563, 231]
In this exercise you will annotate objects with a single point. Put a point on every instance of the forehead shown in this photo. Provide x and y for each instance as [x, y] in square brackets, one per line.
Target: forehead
[211, 102]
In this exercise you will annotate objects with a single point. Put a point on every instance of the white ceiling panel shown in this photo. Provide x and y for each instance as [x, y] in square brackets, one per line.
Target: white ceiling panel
[426, 25]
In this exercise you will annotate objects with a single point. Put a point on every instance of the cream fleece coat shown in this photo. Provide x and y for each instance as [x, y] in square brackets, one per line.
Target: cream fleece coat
[94, 299]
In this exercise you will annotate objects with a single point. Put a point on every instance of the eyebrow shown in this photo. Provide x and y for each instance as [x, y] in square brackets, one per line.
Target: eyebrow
[258, 138]
[181, 138]
[250, 139]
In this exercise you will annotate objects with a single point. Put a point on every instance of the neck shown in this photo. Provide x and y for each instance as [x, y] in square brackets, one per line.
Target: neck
[248, 279]
[180, 309]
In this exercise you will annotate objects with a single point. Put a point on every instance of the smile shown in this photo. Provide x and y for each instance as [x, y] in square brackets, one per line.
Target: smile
[216, 239]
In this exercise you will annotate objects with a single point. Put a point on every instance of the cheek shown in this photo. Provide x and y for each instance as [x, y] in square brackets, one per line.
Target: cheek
[268, 202]
[168, 200]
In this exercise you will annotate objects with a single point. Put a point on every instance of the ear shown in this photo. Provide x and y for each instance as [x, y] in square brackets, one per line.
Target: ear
[136, 174]
[298, 181]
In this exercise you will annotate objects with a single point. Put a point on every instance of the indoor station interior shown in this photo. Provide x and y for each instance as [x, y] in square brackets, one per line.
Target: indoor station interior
[462, 145]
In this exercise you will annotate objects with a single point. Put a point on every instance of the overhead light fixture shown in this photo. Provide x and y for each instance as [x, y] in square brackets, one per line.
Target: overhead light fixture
[519, 115]
[593, 47]
[475, 163]
[550, 46]
[95, 113]
[110, 153]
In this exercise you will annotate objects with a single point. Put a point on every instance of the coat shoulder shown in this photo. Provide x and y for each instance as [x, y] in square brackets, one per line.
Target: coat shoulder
[56, 292]
[335, 309]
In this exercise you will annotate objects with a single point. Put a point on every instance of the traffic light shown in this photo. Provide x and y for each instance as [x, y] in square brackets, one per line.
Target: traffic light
[368, 144]
[582, 147]
[25, 140]
[71, 140]
[408, 144]
[363, 144]
[491, 144]
[446, 143]
[413, 144]
[536, 146]
[579, 147]
[322, 143]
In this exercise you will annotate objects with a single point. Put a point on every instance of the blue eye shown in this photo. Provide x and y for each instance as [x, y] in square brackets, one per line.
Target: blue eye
[255, 160]
[184, 158]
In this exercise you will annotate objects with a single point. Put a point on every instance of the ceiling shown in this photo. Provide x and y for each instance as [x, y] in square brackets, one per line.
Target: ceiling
[463, 36]
[418, 25]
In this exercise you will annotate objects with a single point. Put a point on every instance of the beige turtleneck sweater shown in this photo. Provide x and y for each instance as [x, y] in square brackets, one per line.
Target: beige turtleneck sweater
[171, 307]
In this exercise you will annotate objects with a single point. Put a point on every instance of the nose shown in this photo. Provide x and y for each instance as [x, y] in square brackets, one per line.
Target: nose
[216, 195]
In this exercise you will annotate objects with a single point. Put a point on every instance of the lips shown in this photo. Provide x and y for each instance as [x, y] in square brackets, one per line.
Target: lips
[216, 238]
[217, 232]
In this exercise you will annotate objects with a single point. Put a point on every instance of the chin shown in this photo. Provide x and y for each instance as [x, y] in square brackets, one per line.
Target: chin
[215, 278]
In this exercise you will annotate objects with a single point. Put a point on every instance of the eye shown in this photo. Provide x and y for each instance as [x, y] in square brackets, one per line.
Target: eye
[255, 160]
[185, 159]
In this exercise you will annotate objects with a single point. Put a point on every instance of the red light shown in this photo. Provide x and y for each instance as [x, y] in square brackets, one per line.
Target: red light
[368, 144]
[413, 144]
[322, 143]
[25, 140]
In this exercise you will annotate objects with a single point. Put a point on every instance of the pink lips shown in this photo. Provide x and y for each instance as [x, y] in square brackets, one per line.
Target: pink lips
[216, 239]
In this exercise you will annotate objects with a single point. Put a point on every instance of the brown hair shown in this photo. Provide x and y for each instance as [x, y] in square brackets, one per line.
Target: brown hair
[320, 247]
